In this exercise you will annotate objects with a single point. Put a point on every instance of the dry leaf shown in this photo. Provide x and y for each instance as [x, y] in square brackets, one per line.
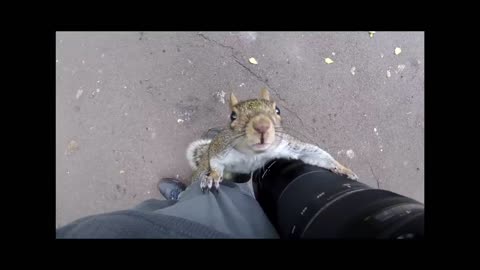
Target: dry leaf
[71, 147]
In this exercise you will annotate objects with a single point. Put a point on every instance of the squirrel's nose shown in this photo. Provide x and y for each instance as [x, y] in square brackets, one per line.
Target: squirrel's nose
[262, 127]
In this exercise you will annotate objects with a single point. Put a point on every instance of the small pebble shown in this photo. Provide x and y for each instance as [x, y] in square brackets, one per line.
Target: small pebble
[350, 153]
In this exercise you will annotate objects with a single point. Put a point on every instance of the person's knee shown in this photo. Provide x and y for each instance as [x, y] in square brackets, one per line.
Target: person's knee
[153, 204]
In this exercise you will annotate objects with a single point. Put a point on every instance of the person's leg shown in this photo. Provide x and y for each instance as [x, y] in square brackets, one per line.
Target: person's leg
[153, 205]
[232, 211]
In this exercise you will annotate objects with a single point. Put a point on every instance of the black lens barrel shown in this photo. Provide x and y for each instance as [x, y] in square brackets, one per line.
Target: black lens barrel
[304, 201]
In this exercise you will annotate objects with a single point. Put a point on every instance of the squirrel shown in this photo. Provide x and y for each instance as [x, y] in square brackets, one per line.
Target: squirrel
[254, 137]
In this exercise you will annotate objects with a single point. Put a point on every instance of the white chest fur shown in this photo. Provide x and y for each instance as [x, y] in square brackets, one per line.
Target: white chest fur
[238, 162]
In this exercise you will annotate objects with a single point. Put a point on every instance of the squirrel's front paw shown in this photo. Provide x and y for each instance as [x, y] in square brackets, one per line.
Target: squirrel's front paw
[210, 181]
[205, 181]
[345, 171]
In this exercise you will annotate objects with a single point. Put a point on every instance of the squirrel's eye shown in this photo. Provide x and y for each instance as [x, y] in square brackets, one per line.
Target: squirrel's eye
[277, 110]
[233, 116]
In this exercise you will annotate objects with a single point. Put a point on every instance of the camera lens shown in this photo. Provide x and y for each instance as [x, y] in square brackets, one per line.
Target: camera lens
[304, 201]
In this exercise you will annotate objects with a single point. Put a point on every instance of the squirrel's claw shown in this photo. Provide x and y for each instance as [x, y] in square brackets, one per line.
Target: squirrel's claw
[345, 172]
[210, 183]
[205, 182]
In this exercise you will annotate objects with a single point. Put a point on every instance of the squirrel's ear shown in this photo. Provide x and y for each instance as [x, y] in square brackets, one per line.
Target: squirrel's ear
[264, 94]
[233, 100]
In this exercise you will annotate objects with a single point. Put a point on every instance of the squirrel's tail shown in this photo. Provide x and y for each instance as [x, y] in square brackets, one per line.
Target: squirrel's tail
[195, 150]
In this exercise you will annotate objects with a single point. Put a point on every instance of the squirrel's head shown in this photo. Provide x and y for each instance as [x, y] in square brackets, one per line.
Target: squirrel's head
[256, 119]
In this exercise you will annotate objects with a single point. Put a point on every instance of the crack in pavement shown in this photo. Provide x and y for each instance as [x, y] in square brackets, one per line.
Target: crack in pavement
[249, 70]
[376, 178]
[216, 42]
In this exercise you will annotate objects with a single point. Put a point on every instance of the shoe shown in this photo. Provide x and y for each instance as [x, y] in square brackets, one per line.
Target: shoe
[170, 188]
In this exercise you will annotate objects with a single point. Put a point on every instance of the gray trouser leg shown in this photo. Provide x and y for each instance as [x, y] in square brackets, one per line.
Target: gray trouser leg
[232, 211]
[153, 204]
